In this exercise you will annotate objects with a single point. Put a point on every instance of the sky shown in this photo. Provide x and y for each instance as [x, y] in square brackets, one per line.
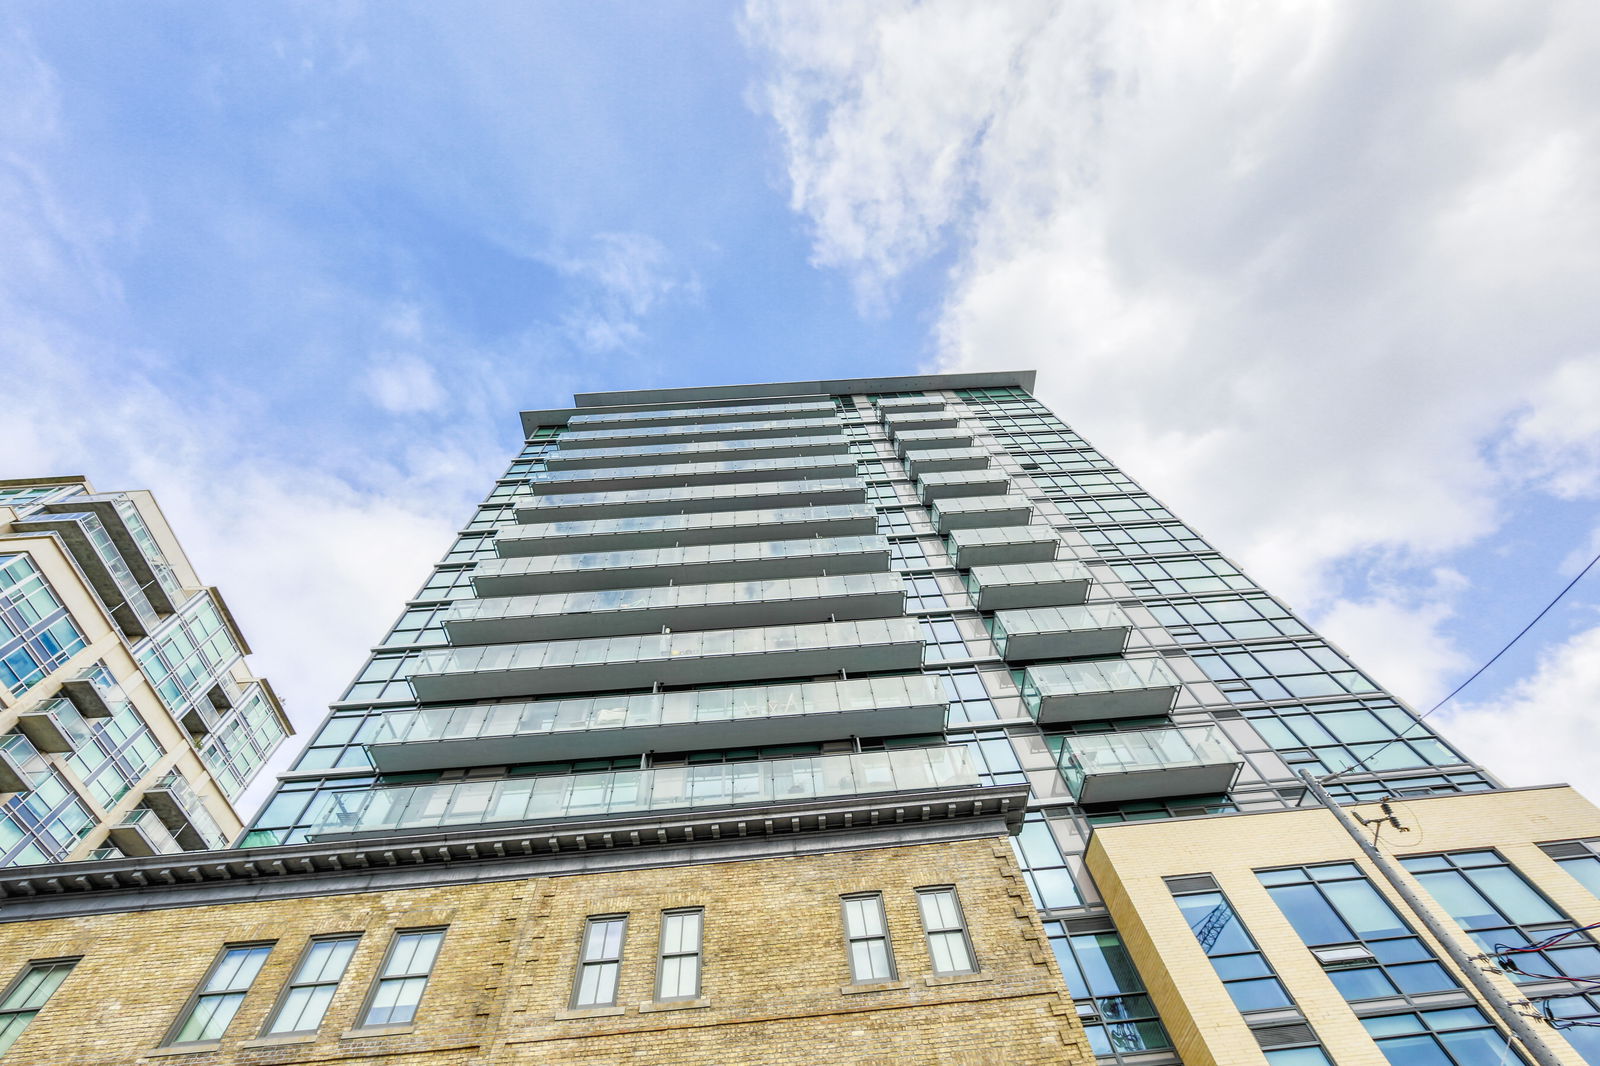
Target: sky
[1322, 276]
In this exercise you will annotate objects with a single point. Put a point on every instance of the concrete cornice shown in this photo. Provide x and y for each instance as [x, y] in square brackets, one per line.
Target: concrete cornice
[367, 863]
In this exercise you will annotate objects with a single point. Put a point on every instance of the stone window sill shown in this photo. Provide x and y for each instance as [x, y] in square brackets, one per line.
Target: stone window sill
[278, 1041]
[380, 1030]
[185, 1049]
[676, 1004]
[593, 1012]
[881, 986]
[956, 979]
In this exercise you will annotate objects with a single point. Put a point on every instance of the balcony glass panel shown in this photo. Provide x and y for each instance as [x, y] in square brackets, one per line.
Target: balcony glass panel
[183, 812]
[1019, 585]
[694, 498]
[939, 460]
[892, 404]
[717, 527]
[913, 440]
[640, 454]
[1104, 688]
[721, 471]
[1003, 544]
[142, 832]
[919, 420]
[667, 416]
[1061, 632]
[969, 512]
[956, 483]
[605, 438]
[1147, 764]
[638, 792]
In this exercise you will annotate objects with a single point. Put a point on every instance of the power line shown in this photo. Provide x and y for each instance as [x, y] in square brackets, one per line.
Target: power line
[1475, 674]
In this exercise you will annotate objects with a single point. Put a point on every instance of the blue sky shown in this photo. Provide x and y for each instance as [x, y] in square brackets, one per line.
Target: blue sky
[1322, 280]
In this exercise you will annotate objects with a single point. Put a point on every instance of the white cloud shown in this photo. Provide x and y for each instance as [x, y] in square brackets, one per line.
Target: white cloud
[1321, 275]
[1545, 728]
[629, 276]
[402, 383]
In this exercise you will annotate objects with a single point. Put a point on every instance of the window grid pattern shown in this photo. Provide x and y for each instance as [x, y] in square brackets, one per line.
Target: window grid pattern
[1281, 672]
[189, 655]
[1244, 970]
[1114, 1008]
[114, 753]
[1163, 538]
[36, 633]
[599, 962]
[45, 823]
[27, 996]
[678, 970]
[1044, 864]
[1218, 620]
[867, 939]
[212, 1008]
[949, 947]
[1460, 1036]
[403, 978]
[1332, 737]
[311, 987]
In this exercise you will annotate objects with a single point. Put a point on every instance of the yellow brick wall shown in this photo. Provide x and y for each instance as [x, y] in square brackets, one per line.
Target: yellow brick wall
[775, 986]
[1129, 863]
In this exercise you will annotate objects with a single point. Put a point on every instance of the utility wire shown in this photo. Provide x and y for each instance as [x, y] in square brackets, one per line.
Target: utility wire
[1475, 674]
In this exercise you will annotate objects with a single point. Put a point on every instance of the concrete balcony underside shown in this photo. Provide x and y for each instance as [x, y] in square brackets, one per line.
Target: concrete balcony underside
[705, 658]
[702, 500]
[1148, 764]
[696, 565]
[727, 527]
[569, 616]
[1004, 545]
[144, 572]
[706, 451]
[687, 475]
[956, 483]
[800, 427]
[101, 579]
[46, 731]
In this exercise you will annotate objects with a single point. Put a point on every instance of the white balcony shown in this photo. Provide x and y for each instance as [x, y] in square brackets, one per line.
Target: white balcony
[489, 734]
[571, 441]
[702, 451]
[714, 472]
[978, 512]
[1010, 586]
[515, 801]
[952, 484]
[698, 499]
[915, 440]
[944, 460]
[1099, 689]
[664, 531]
[1148, 764]
[695, 564]
[702, 415]
[1003, 545]
[1061, 632]
[689, 658]
[614, 612]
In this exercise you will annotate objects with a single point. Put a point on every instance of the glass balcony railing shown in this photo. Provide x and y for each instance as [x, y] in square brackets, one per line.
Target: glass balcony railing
[514, 801]
[916, 421]
[644, 454]
[701, 415]
[695, 498]
[1148, 764]
[142, 833]
[183, 812]
[896, 404]
[578, 441]
[702, 657]
[54, 725]
[609, 612]
[605, 726]
[955, 483]
[692, 564]
[971, 512]
[944, 460]
[1100, 689]
[715, 527]
[1010, 586]
[19, 762]
[910, 441]
[712, 472]
[92, 545]
[1001, 545]
[1096, 629]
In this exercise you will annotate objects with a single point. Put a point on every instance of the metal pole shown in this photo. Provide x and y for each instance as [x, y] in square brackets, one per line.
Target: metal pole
[1542, 1053]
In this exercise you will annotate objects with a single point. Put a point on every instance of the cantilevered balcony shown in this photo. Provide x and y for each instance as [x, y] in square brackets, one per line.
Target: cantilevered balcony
[183, 813]
[918, 420]
[942, 460]
[488, 734]
[1003, 545]
[914, 440]
[681, 475]
[700, 499]
[1009, 586]
[95, 551]
[1061, 632]
[572, 441]
[54, 726]
[665, 531]
[17, 757]
[1099, 689]
[952, 484]
[512, 801]
[702, 415]
[705, 657]
[701, 451]
[1148, 764]
[614, 612]
[142, 834]
[695, 564]
[897, 404]
[133, 541]
[976, 512]
[91, 699]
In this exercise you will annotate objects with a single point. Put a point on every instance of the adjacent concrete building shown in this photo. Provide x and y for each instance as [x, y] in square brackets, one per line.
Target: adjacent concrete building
[842, 721]
[129, 721]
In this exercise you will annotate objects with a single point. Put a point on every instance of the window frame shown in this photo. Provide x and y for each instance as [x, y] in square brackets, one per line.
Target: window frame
[290, 984]
[851, 940]
[961, 927]
[170, 1039]
[574, 1002]
[11, 988]
[662, 955]
[379, 976]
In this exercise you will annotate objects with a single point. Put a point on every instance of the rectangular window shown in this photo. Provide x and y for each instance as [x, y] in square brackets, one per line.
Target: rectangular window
[1458, 1036]
[678, 975]
[27, 996]
[948, 945]
[867, 934]
[1245, 972]
[1578, 858]
[36, 633]
[305, 999]
[599, 962]
[1116, 1014]
[402, 978]
[207, 1014]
